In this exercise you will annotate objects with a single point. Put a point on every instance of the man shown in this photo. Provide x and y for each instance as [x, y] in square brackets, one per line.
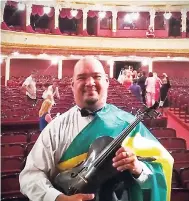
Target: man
[141, 83]
[53, 148]
[29, 85]
[136, 90]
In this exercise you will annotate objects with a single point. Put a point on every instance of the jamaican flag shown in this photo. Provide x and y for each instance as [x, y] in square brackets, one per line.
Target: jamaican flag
[110, 121]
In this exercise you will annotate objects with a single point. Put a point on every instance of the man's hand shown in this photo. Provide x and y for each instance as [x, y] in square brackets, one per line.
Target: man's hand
[76, 197]
[125, 159]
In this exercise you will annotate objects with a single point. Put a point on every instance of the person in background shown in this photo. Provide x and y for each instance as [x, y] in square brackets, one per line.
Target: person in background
[136, 90]
[51, 90]
[141, 83]
[164, 102]
[121, 76]
[150, 89]
[66, 140]
[128, 79]
[45, 92]
[44, 113]
[134, 74]
[29, 86]
[157, 86]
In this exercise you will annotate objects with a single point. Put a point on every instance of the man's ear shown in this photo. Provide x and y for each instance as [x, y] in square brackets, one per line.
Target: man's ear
[107, 80]
[72, 85]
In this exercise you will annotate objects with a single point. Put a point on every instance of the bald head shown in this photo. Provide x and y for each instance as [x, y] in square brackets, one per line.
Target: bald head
[86, 63]
[90, 83]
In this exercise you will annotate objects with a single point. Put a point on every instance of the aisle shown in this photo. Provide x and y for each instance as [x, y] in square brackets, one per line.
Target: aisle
[180, 130]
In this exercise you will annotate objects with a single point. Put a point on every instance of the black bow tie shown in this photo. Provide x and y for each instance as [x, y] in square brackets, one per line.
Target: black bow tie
[85, 112]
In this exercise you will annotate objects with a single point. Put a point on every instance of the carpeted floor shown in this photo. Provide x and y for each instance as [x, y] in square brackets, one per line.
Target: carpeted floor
[182, 129]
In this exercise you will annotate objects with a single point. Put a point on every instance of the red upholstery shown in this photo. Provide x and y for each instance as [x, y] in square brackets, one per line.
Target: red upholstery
[11, 164]
[179, 194]
[163, 132]
[13, 138]
[184, 175]
[10, 185]
[29, 147]
[13, 149]
[173, 143]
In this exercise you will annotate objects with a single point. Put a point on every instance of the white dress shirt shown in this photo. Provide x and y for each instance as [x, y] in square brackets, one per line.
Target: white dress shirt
[31, 84]
[40, 170]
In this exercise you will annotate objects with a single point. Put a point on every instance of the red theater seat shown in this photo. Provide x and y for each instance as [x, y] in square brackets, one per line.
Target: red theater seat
[13, 149]
[11, 164]
[173, 143]
[10, 185]
[184, 175]
[29, 147]
[14, 138]
[179, 194]
[180, 155]
[163, 132]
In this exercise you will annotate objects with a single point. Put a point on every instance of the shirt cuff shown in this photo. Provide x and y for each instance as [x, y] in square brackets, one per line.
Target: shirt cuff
[146, 172]
[52, 194]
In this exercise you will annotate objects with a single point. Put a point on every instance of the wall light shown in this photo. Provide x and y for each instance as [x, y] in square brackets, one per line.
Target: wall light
[15, 53]
[102, 15]
[54, 60]
[1, 60]
[167, 16]
[47, 10]
[74, 13]
[21, 6]
[128, 18]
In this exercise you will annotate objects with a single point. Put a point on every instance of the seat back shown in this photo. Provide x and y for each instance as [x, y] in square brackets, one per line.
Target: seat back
[13, 138]
[10, 183]
[173, 143]
[163, 132]
[13, 149]
[11, 164]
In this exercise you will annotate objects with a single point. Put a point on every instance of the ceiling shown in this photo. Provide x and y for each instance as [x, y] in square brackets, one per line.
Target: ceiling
[127, 2]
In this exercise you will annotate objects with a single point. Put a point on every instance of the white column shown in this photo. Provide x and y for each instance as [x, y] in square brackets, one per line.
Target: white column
[150, 65]
[183, 17]
[28, 13]
[60, 69]
[152, 18]
[114, 21]
[85, 11]
[7, 70]
[56, 16]
[111, 66]
[3, 4]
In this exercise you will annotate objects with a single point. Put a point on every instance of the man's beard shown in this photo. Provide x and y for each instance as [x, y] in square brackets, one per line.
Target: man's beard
[91, 101]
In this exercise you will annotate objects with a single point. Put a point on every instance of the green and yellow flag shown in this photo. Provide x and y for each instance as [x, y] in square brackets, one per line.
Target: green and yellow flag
[110, 121]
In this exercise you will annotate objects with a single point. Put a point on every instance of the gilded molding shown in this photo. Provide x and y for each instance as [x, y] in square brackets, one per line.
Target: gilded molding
[8, 48]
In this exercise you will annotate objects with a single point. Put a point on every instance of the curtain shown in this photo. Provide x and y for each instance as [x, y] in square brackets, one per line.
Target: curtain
[66, 12]
[38, 10]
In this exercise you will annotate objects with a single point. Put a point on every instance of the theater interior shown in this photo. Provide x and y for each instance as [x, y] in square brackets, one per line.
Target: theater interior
[51, 36]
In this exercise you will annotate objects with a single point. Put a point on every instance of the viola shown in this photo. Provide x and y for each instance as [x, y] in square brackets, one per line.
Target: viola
[97, 169]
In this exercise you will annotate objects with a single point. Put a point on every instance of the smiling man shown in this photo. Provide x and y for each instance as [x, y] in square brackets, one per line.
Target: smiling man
[90, 84]
[65, 142]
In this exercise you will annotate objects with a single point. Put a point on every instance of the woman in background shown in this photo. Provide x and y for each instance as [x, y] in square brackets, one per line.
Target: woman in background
[128, 80]
[44, 114]
[51, 90]
[157, 86]
[150, 89]
[164, 102]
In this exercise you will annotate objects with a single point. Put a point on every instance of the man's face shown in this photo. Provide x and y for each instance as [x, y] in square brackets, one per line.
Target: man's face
[89, 85]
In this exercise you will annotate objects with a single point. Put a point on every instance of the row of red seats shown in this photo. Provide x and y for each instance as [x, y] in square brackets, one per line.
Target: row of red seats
[17, 162]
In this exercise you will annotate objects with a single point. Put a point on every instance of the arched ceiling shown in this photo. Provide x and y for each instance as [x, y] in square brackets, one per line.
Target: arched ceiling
[127, 2]
[119, 3]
